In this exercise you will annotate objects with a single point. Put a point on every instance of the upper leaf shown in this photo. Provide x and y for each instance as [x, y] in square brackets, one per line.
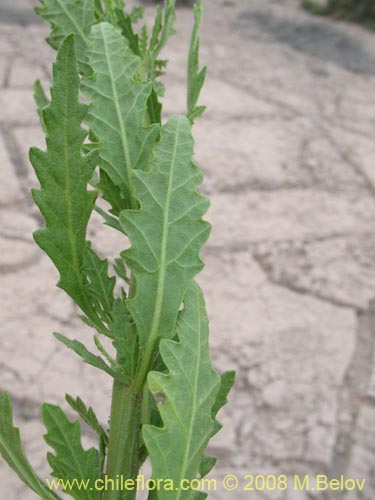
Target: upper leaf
[124, 21]
[69, 16]
[185, 397]
[12, 452]
[166, 30]
[118, 108]
[64, 173]
[70, 461]
[166, 233]
[196, 76]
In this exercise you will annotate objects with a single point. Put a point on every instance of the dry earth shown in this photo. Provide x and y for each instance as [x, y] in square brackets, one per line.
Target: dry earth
[287, 147]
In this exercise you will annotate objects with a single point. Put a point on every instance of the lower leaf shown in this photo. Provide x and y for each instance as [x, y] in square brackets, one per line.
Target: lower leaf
[185, 397]
[70, 462]
[12, 452]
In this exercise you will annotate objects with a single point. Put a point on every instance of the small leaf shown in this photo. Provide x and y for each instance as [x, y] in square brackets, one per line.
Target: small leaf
[195, 77]
[167, 31]
[156, 30]
[112, 362]
[136, 14]
[161, 63]
[185, 396]
[70, 461]
[12, 452]
[87, 356]
[143, 41]
[41, 101]
[88, 416]
[125, 22]
[197, 113]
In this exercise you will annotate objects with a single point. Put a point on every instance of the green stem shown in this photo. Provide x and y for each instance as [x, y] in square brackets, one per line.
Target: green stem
[123, 449]
[124, 434]
[145, 364]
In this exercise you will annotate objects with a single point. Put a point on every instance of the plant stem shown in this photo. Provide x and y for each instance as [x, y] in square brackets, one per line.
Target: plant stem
[123, 439]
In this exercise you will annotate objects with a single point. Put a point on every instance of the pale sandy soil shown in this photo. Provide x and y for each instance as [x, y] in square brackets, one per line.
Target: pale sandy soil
[287, 147]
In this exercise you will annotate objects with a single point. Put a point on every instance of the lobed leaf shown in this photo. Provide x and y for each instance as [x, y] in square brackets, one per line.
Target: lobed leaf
[226, 383]
[157, 28]
[154, 107]
[125, 22]
[137, 13]
[41, 101]
[118, 109]
[70, 461]
[125, 338]
[87, 356]
[100, 286]
[111, 193]
[109, 220]
[185, 396]
[196, 77]
[70, 16]
[12, 452]
[166, 233]
[227, 380]
[88, 416]
[64, 173]
[120, 269]
[167, 30]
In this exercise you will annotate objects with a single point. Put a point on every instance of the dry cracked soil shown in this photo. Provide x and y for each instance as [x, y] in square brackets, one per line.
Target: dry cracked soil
[287, 149]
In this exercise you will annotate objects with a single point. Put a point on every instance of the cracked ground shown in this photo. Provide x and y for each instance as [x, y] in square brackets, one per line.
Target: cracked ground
[287, 149]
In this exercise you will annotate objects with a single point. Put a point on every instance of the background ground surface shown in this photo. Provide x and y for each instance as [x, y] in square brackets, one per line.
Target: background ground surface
[287, 148]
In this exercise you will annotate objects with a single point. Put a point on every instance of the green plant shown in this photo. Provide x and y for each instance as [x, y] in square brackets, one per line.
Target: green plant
[165, 392]
[361, 11]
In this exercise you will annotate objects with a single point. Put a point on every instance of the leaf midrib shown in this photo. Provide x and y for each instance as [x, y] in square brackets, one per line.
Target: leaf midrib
[163, 264]
[195, 386]
[72, 450]
[67, 13]
[29, 476]
[123, 135]
[155, 323]
[107, 304]
[68, 200]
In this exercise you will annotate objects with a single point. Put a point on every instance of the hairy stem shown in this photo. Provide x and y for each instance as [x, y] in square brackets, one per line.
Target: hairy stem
[124, 434]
